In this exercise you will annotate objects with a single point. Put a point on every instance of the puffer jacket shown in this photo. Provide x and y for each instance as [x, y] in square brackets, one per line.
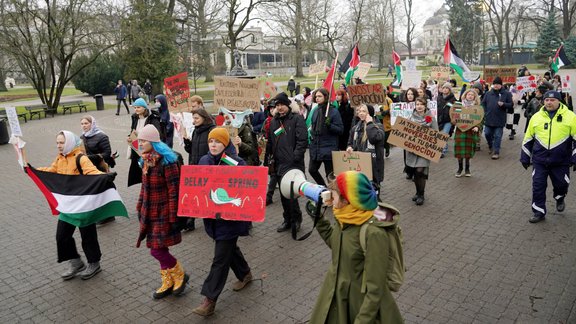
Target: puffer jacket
[67, 164]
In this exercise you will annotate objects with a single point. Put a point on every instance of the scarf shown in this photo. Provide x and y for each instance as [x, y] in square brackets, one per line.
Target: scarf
[71, 142]
[318, 125]
[93, 129]
[149, 160]
[422, 119]
[352, 215]
[467, 103]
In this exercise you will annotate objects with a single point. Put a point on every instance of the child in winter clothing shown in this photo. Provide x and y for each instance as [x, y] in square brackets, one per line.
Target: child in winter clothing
[465, 142]
[157, 207]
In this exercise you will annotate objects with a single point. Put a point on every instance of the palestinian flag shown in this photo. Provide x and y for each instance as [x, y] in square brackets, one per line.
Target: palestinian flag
[398, 67]
[279, 131]
[560, 59]
[451, 58]
[352, 65]
[329, 81]
[79, 200]
[228, 160]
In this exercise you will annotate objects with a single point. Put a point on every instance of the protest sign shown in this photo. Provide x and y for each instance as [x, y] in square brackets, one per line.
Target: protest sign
[223, 192]
[269, 90]
[236, 93]
[317, 68]
[363, 69]
[411, 79]
[466, 118]
[421, 140]
[404, 109]
[507, 74]
[471, 76]
[526, 84]
[566, 84]
[355, 161]
[410, 64]
[177, 92]
[13, 121]
[366, 94]
[440, 73]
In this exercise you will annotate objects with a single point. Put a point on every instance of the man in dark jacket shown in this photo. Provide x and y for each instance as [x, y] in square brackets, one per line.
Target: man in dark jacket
[291, 86]
[495, 102]
[287, 143]
[121, 93]
[148, 89]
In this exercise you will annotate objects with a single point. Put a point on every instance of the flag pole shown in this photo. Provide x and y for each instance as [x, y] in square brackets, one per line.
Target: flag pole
[331, 86]
[316, 82]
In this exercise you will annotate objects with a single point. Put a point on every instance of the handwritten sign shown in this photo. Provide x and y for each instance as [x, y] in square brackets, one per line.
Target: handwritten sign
[363, 69]
[317, 68]
[405, 109]
[411, 79]
[410, 64]
[526, 84]
[355, 161]
[226, 192]
[507, 74]
[237, 93]
[465, 118]
[441, 73]
[366, 94]
[13, 121]
[270, 90]
[566, 83]
[421, 140]
[177, 92]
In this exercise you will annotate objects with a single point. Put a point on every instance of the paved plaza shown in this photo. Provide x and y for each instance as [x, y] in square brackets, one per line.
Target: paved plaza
[471, 255]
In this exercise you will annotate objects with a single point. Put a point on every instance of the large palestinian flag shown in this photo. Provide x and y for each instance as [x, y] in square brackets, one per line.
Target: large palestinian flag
[79, 200]
[352, 65]
[560, 59]
[452, 58]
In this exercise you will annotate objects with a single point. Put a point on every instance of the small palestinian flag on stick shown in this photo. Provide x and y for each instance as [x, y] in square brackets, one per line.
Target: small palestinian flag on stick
[228, 160]
[560, 59]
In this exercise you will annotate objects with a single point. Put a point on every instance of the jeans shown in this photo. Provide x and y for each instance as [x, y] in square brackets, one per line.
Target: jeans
[67, 246]
[445, 128]
[493, 137]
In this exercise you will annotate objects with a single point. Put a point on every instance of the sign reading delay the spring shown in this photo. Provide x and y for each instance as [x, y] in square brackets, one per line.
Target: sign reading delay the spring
[226, 192]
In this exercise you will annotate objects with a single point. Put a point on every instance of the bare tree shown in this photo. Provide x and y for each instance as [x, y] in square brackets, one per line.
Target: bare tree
[44, 37]
[357, 9]
[499, 17]
[410, 25]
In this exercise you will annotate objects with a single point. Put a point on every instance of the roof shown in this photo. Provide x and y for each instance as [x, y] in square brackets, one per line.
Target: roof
[438, 17]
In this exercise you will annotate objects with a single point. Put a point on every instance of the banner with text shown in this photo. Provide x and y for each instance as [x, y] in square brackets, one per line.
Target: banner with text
[440, 73]
[177, 92]
[355, 161]
[508, 75]
[526, 84]
[421, 140]
[236, 93]
[404, 109]
[411, 79]
[366, 94]
[465, 118]
[226, 192]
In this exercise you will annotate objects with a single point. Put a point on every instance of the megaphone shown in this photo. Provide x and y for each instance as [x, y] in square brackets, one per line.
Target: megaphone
[294, 184]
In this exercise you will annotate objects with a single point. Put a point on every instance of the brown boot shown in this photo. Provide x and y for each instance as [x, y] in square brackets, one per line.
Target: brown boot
[167, 284]
[179, 277]
[239, 285]
[206, 308]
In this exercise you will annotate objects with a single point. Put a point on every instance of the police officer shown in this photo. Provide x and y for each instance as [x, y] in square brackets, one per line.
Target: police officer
[548, 145]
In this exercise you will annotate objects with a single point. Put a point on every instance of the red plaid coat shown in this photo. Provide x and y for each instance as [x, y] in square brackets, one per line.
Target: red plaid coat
[157, 206]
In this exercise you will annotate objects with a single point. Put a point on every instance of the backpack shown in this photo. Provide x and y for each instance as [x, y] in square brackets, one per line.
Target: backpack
[396, 267]
[102, 166]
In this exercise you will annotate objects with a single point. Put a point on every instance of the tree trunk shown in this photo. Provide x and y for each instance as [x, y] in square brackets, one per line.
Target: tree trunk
[2, 83]
[298, 31]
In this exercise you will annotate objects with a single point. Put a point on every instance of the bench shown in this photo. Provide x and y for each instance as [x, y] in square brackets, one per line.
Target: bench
[37, 110]
[3, 115]
[67, 106]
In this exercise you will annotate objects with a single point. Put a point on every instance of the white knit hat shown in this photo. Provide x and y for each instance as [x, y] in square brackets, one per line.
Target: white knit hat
[149, 133]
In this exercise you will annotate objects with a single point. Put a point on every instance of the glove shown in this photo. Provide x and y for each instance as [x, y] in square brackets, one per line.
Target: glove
[526, 165]
[141, 238]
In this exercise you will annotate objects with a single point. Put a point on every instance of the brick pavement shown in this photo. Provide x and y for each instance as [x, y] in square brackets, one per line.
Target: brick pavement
[472, 257]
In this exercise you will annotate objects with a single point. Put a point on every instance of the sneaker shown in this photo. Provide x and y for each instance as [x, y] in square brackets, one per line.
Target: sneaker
[239, 285]
[467, 173]
[560, 205]
[415, 197]
[284, 227]
[458, 174]
[536, 218]
[91, 270]
[420, 201]
[495, 156]
[76, 266]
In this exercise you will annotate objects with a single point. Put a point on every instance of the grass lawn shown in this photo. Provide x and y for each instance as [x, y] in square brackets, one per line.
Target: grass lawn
[21, 94]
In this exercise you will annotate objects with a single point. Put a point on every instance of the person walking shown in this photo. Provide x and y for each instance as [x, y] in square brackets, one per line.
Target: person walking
[148, 90]
[409, 97]
[444, 103]
[121, 93]
[135, 90]
[70, 158]
[225, 233]
[347, 116]
[496, 103]
[549, 146]
[157, 207]
[291, 86]
[465, 142]
[165, 120]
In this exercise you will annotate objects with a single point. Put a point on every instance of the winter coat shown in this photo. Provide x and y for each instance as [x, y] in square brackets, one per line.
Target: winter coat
[67, 164]
[373, 145]
[287, 149]
[221, 229]
[135, 91]
[347, 116]
[291, 85]
[443, 108]
[416, 161]
[158, 205]
[325, 137]
[148, 88]
[533, 107]
[197, 146]
[550, 141]
[98, 148]
[135, 172]
[249, 147]
[121, 92]
[494, 115]
[165, 120]
[385, 118]
[341, 299]
[258, 121]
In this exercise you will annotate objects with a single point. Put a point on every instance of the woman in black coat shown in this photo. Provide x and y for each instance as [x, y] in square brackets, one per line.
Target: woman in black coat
[347, 116]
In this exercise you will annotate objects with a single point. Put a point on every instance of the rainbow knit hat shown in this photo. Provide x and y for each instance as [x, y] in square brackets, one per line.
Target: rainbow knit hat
[357, 189]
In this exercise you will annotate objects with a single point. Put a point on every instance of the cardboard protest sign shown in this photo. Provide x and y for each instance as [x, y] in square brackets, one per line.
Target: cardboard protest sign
[410, 64]
[366, 94]
[317, 68]
[466, 118]
[13, 121]
[177, 92]
[269, 90]
[420, 140]
[363, 69]
[134, 142]
[507, 74]
[226, 192]
[355, 161]
[236, 93]
[404, 109]
[566, 83]
[526, 84]
[411, 79]
[440, 73]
